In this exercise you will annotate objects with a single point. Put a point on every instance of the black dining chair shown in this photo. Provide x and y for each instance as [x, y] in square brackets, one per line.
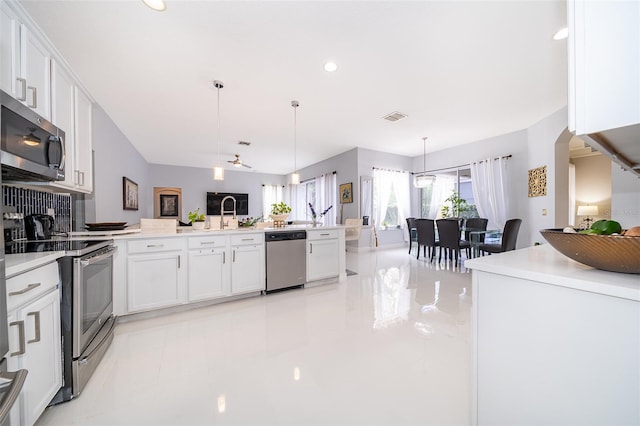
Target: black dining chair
[449, 238]
[473, 224]
[426, 237]
[413, 234]
[509, 237]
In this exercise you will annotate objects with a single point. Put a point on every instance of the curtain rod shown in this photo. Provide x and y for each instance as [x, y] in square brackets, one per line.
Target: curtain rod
[390, 170]
[459, 167]
[264, 184]
[313, 178]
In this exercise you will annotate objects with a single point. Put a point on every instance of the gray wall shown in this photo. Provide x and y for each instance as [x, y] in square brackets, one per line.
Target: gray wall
[115, 157]
[196, 182]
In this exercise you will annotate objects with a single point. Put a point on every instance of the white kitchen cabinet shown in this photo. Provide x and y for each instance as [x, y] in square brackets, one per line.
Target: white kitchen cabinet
[63, 117]
[208, 276]
[604, 65]
[34, 339]
[83, 161]
[247, 263]
[26, 64]
[323, 259]
[156, 274]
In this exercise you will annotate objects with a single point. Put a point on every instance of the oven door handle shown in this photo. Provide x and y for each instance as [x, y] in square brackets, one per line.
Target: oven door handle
[17, 381]
[98, 258]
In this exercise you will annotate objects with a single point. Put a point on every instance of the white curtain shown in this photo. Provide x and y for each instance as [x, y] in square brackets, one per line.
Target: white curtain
[442, 188]
[270, 194]
[572, 194]
[326, 192]
[382, 192]
[402, 187]
[489, 182]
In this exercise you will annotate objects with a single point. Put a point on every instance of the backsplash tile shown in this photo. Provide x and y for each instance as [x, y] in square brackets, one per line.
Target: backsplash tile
[28, 201]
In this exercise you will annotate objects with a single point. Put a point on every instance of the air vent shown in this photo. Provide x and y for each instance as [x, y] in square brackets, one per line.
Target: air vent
[394, 116]
[245, 143]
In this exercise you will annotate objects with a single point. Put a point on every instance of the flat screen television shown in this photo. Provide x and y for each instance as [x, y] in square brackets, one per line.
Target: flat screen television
[214, 199]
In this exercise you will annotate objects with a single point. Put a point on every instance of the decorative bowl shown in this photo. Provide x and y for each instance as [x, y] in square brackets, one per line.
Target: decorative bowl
[279, 217]
[615, 253]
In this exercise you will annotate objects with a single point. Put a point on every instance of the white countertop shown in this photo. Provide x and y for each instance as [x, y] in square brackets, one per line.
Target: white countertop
[544, 264]
[18, 263]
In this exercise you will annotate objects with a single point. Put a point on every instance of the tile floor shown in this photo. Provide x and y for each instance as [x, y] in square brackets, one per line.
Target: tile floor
[388, 346]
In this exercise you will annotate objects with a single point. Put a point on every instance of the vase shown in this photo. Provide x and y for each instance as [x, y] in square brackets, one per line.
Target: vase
[198, 225]
[279, 220]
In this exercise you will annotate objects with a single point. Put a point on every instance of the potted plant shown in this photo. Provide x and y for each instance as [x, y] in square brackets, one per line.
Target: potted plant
[456, 206]
[197, 219]
[279, 212]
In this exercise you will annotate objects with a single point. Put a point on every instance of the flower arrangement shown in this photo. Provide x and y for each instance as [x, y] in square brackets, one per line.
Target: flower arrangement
[249, 222]
[315, 216]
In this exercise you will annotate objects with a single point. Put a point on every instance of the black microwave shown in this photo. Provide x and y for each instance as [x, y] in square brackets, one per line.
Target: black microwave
[32, 147]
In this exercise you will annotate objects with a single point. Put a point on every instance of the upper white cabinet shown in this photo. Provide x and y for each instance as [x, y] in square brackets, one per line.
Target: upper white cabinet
[26, 65]
[31, 73]
[604, 65]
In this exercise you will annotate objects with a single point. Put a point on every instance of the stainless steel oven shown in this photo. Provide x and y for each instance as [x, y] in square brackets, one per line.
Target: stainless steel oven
[86, 314]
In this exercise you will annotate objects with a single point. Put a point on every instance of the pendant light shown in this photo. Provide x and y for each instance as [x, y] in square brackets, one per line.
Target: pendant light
[218, 170]
[422, 180]
[295, 176]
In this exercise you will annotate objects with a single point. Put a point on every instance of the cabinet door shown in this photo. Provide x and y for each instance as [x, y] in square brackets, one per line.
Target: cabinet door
[35, 331]
[247, 269]
[9, 50]
[322, 259]
[154, 281]
[83, 145]
[62, 115]
[207, 274]
[36, 68]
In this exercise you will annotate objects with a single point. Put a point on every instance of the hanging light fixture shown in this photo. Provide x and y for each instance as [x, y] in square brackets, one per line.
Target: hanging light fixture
[218, 170]
[422, 180]
[295, 176]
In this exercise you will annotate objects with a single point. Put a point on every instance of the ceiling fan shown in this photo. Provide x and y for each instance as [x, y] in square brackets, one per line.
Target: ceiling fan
[238, 162]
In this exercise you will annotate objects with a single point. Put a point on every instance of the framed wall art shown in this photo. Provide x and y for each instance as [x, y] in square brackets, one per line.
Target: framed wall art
[167, 203]
[538, 182]
[129, 194]
[346, 193]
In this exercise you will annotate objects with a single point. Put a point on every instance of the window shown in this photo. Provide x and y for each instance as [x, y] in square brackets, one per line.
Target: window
[390, 197]
[271, 194]
[447, 182]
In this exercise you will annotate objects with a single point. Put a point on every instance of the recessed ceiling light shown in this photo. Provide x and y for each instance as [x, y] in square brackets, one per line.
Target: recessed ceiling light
[330, 67]
[562, 34]
[155, 4]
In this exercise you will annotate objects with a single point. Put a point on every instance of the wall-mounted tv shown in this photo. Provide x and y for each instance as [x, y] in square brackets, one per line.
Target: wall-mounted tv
[214, 199]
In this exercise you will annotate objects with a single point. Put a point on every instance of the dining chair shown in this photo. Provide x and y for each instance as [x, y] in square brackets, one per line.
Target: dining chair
[509, 237]
[473, 224]
[353, 227]
[449, 238]
[426, 237]
[413, 234]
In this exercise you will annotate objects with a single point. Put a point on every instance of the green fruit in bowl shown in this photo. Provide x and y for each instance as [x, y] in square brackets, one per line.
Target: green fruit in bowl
[607, 227]
[591, 232]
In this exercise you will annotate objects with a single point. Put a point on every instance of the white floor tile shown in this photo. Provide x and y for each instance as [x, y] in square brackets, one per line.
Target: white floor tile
[390, 345]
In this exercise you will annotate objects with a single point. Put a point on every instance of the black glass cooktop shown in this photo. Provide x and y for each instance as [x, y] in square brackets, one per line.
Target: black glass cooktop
[70, 247]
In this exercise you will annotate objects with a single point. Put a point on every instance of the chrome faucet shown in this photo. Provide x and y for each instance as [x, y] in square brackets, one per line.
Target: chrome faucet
[223, 211]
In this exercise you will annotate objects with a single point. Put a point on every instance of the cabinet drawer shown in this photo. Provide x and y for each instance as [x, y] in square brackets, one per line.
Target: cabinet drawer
[31, 284]
[155, 245]
[322, 235]
[207, 242]
[246, 239]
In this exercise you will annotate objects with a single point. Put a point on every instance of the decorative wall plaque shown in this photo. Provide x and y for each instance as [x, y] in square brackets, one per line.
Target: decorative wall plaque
[538, 182]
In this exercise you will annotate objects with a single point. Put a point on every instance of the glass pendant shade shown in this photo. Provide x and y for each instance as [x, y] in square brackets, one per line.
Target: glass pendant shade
[218, 173]
[423, 181]
[295, 178]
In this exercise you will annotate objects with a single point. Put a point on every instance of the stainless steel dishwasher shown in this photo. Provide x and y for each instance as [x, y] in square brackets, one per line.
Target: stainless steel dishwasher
[286, 259]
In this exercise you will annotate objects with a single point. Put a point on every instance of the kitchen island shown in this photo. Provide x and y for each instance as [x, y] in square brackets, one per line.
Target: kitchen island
[160, 271]
[554, 341]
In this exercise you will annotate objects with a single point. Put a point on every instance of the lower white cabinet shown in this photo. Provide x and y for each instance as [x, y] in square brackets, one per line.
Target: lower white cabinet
[323, 260]
[247, 269]
[207, 274]
[35, 345]
[156, 273]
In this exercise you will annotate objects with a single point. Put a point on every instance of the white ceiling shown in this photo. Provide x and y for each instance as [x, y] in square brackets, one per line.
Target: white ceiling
[461, 71]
